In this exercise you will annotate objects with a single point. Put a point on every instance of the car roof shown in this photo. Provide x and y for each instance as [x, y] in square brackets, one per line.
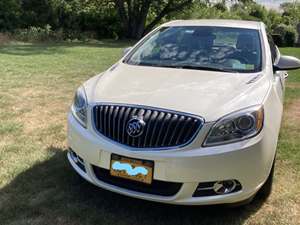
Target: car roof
[217, 23]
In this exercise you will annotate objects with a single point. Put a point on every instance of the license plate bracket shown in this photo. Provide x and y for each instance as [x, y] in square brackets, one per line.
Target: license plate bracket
[138, 170]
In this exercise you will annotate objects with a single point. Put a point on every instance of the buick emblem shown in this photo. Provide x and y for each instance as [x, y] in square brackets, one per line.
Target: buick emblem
[135, 127]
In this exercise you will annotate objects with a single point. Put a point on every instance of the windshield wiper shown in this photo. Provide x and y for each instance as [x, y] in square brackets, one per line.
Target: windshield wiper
[156, 65]
[192, 67]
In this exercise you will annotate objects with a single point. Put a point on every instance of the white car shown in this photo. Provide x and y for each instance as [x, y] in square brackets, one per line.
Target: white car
[190, 115]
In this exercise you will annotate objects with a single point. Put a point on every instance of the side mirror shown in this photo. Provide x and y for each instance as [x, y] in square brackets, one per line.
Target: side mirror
[126, 50]
[287, 63]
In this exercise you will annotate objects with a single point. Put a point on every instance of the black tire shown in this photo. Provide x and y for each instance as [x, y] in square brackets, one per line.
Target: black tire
[266, 189]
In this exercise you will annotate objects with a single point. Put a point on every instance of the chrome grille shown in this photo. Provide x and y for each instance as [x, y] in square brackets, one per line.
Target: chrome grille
[163, 128]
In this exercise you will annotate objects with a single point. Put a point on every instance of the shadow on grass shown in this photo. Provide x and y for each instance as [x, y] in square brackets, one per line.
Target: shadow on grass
[48, 48]
[51, 193]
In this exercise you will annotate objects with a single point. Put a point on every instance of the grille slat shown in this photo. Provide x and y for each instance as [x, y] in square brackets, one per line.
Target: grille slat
[156, 123]
[110, 121]
[100, 120]
[105, 120]
[173, 134]
[119, 117]
[162, 128]
[125, 120]
[166, 135]
[150, 128]
[148, 122]
[181, 131]
[165, 129]
[137, 141]
[114, 128]
[190, 129]
[96, 116]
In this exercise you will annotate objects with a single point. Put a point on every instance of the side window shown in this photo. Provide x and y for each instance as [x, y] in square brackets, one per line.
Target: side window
[273, 49]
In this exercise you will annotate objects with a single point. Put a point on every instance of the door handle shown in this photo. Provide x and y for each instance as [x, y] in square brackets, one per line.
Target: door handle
[285, 75]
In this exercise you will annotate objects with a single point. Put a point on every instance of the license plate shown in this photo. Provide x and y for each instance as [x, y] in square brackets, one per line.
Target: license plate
[132, 169]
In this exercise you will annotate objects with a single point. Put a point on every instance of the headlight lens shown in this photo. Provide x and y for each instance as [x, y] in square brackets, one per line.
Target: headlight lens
[79, 107]
[236, 126]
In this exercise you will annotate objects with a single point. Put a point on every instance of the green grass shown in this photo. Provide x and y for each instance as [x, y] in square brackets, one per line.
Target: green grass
[37, 186]
[289, 142]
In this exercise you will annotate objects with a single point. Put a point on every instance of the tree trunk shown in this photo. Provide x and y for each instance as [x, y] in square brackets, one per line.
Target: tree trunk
[120, 7]
[170, 7]
[142, 19]
[133, 15]
[137, 15]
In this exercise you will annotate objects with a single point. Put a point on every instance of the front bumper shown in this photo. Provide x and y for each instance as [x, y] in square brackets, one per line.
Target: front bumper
[249, 162]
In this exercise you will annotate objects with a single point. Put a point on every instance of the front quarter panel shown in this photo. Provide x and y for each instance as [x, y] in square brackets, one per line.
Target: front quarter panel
[273, 109]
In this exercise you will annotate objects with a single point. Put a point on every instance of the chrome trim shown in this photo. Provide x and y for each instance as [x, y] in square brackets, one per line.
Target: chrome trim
[150, 108]
[205, 188]
[73, 156]
[132, 129]
[219, 184]
[76, 158]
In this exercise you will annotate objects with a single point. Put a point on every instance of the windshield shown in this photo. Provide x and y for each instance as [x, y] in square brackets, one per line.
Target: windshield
[201, 47]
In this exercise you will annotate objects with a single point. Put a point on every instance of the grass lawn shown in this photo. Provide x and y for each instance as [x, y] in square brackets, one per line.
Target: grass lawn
[37, 186]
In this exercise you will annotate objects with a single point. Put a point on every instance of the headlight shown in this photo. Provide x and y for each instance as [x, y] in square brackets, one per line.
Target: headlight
[79, 106]
[236, 126]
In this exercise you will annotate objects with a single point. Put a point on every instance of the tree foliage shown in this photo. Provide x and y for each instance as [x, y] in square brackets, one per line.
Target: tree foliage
[134, 18]
[283, 24]
[9, 14]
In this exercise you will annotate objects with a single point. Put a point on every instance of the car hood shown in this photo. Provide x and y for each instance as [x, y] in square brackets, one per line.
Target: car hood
[205, 93]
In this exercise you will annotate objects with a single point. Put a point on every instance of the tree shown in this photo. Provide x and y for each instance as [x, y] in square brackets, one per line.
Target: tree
[9, 14]
[221, 6]
[291, 13]
[133, 14]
